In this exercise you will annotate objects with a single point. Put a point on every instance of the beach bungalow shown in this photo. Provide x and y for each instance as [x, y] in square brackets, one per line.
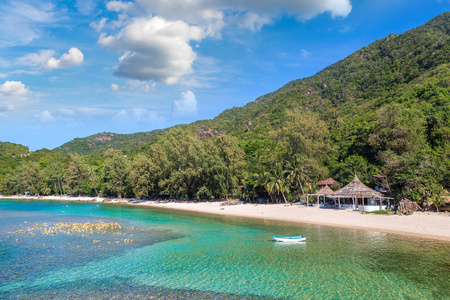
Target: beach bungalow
[322, 193]
[323, 183]
[362, 197]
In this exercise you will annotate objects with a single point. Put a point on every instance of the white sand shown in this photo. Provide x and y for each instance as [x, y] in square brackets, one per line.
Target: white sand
[427, 225]
[421, 224]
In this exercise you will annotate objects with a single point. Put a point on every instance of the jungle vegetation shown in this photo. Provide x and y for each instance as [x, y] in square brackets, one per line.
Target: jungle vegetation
[382, 113]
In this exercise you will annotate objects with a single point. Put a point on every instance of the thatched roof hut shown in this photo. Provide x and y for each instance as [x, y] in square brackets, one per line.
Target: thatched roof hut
[326, 191]
[357, 189]
[329, 182]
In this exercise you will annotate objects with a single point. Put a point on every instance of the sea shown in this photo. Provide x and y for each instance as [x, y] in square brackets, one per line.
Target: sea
[72, 250]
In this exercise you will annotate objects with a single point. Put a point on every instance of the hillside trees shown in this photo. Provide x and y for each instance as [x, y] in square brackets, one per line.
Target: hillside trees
[201, 169]
[303, 144]
[78, 174]
[141, 176]
[116, 170]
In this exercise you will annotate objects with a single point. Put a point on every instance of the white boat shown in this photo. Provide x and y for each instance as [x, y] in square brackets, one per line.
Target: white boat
[298, 238]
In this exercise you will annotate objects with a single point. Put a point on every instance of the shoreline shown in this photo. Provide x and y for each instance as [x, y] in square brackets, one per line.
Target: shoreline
[429, 225]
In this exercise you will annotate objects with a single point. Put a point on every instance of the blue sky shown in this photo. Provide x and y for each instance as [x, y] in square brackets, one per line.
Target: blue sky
[75, 68]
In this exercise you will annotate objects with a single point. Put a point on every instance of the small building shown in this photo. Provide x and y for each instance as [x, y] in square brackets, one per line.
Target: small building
[363, 197]
[329, 182]
[355, 194]
[323, 192]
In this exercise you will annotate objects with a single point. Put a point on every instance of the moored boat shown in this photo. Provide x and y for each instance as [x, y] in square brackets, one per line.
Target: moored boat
[298, 238]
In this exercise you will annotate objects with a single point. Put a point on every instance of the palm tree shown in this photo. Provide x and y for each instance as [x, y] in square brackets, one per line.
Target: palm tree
[262, 179]
[297, 174]
[93, 180]
[277, 183]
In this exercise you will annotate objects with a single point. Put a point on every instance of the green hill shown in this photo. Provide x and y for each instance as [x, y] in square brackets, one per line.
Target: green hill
[99, 143]
[389, 70]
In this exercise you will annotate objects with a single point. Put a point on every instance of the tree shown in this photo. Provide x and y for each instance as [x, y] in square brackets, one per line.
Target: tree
[115, 173]
[78, 174]
[93, 179]
[277, 182]
[29, 176]
[297, 174]
[141, 176]
[261, 180]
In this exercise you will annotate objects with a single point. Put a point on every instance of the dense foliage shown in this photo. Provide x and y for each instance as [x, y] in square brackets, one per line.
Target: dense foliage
[99, 143]
[382, 113]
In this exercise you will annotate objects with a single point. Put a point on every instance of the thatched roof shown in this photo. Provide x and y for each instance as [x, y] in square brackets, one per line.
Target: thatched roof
[329, 182]
[357, 189]
[325, 191]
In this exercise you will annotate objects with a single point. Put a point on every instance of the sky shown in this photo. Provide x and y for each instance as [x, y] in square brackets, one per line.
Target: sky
[75, 68]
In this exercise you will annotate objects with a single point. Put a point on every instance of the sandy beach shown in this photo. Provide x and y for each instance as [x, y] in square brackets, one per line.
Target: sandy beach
[421, 224]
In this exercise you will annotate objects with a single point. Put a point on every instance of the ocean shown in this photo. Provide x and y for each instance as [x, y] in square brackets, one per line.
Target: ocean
[59, 250]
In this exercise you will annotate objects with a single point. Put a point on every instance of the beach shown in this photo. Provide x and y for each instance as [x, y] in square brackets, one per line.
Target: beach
[430, 225]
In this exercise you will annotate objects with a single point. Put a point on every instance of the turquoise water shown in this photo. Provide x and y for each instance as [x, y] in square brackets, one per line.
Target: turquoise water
[160, 254]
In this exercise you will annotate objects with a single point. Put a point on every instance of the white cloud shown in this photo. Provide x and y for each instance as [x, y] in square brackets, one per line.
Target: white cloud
[45, 60]
[86, 7]
[252, 21]
[98, 26]
[138, 115]
[156, 35]
[13, 88]
[72, 58]
[304, 53]
[36, 59]
[155, 49]
[93, 111]
[152, 88]
[65, 111]
[118, 6]
[186, 106]
[45, 117]
[23, 21]
[13, 96]
[5, 107]
[207, 12]
[114, 87]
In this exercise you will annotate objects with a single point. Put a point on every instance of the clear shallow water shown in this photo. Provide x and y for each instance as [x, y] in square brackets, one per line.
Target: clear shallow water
[176, 255]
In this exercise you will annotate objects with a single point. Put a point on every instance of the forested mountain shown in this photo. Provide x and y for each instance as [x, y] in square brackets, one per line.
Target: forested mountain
[100, 142]
[383, 113]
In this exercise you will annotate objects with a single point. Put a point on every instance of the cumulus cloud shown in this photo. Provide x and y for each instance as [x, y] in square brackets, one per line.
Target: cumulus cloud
[155, 35]
[207, 12]
[114, 87]
[36, 59]
[13, 88]
[45, 60]
[23, 21]
[45, 117]
[155, 49]
[13, 95]
[186, 106]
[72, 58]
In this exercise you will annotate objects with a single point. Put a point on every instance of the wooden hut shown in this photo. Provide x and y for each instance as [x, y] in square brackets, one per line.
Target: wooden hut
[364, 198]
[323, 183]
[324, 192]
